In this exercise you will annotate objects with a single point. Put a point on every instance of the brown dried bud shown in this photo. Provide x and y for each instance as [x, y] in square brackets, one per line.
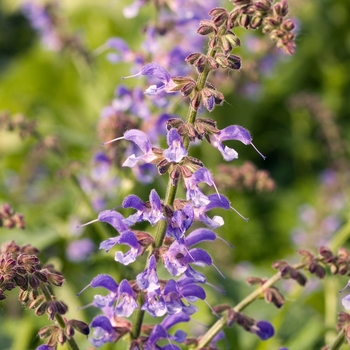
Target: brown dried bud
[33, 281]
[222, 60]
[40, 310]
[234, 62]
[36, 302]
[69, 331]
[54, 278]
[232, 20]
[219, 16]
[244, 21]
[273, 295]
[317, 269]
[281, 8]
[206, 27]
[80, 326]
[256, 22]
[47, 331]
[196, 101]
[263, 6]
[193, 57]
[163, 166]
[175, 174]
[212, 63]
[254, 280]
[200, 63]
[287, 25]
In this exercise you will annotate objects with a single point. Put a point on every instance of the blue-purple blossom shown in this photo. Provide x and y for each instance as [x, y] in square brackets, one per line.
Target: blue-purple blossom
[151, 212]
[127, 300]
[186, 289]
[160, 332]
[45, 347]
[127, 237]
[176, 151]
[41, 20]
[346, 300]
[148, 279]
[179, 255]
[154, 304]
[79, 250]
[193, 191]
[180, 222]
[215, 201]
[107, 282]
[154, 70]
[103, 331]
[263, 330]
[232, 132]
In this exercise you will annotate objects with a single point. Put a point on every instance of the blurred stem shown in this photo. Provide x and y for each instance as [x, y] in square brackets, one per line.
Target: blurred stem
[331, 292]
[48, 296]
[221, 323]
[338, 341]
[340, 237]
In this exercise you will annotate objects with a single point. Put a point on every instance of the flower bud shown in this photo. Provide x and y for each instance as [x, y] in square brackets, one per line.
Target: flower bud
[281, 8]
[256, 22]
[191, 58]
[80, 326]
[244, 21]
[206, 27]
[288, 25]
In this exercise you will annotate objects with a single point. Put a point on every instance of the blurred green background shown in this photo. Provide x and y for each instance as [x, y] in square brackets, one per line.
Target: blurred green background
[296, 107]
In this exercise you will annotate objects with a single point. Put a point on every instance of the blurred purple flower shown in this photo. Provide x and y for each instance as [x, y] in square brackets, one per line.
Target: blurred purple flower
[79, 250]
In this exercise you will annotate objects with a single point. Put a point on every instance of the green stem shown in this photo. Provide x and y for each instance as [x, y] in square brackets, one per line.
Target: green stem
[340, 237]
[221, 323]
[48, 296]
[137, 319]
[338, 341]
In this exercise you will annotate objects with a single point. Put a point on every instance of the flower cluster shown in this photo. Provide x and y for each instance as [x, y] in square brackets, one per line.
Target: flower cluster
[9, 218]
[20, 267]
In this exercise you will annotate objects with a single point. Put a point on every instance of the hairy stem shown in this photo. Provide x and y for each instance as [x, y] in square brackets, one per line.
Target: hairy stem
[338, 341]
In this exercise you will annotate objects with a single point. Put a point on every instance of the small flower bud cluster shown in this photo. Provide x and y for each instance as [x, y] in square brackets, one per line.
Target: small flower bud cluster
[343, 322]
[20, 267]
[9, 218]
[271, 294]
[252, 14]
[244, 177]
[18, 123]
[262, 329]
[56, 335]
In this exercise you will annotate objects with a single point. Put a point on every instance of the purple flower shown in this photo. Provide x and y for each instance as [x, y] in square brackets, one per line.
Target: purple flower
[176, 151]
[179, 256]
[79, 250]
[160, 332]
[127, 237]
[148, 279]
[103, 331]
[193, 191]
[174, 292]
[127, 297]
[151, 211]
[346, 300]
[154, 304]
[263, 330]
[45, 347]
[232, 132]
[154, 70]
[107, 282]
[180, 222]
[215, 201]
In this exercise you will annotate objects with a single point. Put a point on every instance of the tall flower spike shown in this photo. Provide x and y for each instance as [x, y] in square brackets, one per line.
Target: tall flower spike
[157, 71]
[232, 132]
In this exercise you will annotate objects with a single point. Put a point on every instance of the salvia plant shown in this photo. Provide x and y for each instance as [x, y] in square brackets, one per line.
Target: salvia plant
[185, 55]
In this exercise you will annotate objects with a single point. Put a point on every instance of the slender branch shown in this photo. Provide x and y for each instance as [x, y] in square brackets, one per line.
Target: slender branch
[48, 296]
[338, 341]
[221, 323]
